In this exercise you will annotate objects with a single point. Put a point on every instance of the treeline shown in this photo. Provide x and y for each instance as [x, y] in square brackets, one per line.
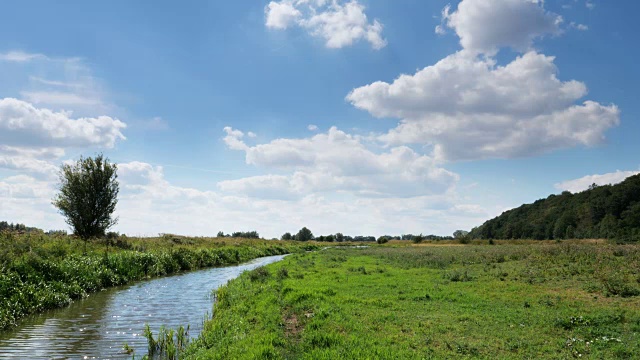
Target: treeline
[608, 211]
[240, 234]
[5, 226]
[305, 234]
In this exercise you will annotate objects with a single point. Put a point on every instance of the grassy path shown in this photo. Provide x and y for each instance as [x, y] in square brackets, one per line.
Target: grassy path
[507, 301]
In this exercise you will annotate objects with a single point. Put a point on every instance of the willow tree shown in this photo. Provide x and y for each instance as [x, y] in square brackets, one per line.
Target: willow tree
[88, 196]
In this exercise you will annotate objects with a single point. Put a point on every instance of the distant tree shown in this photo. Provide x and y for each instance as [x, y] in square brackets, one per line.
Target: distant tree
[417, 239]
[286, 236]
[220, 234]
[383, 239]
[246, 234]
[339, 237]
[88, 196]
[304, 235]
[460, 233]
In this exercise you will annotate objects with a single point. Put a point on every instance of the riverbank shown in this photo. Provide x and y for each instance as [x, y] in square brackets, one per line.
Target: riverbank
[502, 301]
[40, 272]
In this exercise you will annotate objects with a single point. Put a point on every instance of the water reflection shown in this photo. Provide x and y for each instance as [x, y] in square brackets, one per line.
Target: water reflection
[98, 326]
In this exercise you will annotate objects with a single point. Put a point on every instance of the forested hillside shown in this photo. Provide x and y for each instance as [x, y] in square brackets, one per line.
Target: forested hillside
[609, 211]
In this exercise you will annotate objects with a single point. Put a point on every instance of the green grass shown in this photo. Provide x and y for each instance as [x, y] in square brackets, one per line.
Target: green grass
[506, 301]
[40, 272]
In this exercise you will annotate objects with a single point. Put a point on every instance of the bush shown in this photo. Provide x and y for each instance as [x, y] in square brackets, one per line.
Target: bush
[259, 274]
[383, 240]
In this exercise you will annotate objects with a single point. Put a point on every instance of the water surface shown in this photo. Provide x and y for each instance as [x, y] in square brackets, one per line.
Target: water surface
[98, 326]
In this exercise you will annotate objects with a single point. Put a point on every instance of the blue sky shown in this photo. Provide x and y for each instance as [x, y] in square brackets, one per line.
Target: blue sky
[361, 117]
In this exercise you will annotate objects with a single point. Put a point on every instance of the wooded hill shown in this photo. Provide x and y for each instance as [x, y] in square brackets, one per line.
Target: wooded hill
[608, 211]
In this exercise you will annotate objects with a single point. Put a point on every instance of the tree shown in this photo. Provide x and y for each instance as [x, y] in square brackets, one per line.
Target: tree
[417, 239]
[286, 236]
[88, 196]
[383, 239]
[460, 233]
[304, 235]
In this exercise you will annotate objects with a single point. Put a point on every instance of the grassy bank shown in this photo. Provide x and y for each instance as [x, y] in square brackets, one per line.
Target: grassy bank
[505, 301]
[40, 272]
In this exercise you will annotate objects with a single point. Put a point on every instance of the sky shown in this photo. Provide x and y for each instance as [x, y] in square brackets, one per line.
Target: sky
[362, 117]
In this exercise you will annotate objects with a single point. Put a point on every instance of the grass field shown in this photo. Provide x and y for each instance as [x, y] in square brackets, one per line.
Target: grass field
[550, 300]
[39, 272]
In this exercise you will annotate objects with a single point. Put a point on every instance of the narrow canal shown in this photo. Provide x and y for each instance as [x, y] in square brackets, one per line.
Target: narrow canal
[98, 326]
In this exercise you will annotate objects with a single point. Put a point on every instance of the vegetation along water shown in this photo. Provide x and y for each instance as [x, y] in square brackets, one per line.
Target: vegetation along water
[39, 271]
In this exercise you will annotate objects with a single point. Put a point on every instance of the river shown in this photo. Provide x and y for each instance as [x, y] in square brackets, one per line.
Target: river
[98, 326]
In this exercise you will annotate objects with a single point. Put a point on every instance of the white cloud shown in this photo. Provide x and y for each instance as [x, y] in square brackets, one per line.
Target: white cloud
[336, 161]
[468, 107]
[281, 15]
[24, 125]
[170, 208]
[233, 139]
[149, 204]
[23, 186]
[312, 127]
[580, 27]
[583, 183]
[57, 83]
[590, 5]
[339, 24]
[20, 56]
[28, 164]
[484, 26]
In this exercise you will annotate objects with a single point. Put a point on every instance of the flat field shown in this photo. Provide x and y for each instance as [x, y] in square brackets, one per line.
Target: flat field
[550, 300]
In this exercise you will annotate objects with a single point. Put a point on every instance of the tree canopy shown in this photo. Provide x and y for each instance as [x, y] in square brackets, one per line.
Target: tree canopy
[605, 211]
[304, 235]
[88, 196]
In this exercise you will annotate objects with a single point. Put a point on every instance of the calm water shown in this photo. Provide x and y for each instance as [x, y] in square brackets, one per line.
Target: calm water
[98, 326]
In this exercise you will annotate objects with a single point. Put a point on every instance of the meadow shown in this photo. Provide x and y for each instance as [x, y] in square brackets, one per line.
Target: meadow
[543, 300]
[40, 272]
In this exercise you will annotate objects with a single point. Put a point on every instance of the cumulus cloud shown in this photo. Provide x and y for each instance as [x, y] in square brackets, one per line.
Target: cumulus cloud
[150, 204]
[468, 107]
[336, 161]
[22, 124]
[28, 164]
[484, 26]
[339, 24]
[35, 137]
[203, 212]
[583, 183]
[281, 15]
[312, 127]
